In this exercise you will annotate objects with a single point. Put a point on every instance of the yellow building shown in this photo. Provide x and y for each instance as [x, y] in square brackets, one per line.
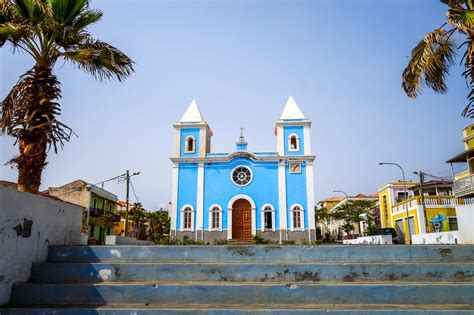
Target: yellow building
[432, 201]
[464, 181]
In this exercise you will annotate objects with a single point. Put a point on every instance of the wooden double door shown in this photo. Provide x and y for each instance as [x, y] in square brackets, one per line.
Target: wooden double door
[241, 219]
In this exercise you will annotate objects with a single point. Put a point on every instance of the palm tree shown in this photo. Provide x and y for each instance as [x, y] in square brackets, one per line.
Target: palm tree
[431, 59]
[48, 30]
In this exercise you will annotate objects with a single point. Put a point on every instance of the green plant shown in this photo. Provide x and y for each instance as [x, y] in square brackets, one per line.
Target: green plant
[220, 242]
[49, 31]
[288, 242]
[372, 229]
[432, 58]
[258, 239]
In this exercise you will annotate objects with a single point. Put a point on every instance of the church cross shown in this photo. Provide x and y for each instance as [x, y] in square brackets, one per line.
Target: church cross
[242, 132]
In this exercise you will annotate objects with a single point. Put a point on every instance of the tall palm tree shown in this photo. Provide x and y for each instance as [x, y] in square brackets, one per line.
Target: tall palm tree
[431, 59]
[49, 30]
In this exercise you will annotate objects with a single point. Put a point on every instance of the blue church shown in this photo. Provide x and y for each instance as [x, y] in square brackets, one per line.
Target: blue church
[236, 195]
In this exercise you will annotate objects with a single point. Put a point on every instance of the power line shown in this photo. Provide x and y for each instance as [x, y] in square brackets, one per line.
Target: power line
[133, 189]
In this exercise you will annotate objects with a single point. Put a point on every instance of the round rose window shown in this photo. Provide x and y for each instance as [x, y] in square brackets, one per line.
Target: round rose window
[241, 176]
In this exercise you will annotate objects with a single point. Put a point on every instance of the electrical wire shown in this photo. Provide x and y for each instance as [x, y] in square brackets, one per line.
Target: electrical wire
[133, 189]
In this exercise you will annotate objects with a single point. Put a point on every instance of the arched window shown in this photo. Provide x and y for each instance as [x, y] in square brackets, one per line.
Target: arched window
[189, 144]
[293, 142]
[215, 218]
[268, 217]
[296, 217]
[187, 218]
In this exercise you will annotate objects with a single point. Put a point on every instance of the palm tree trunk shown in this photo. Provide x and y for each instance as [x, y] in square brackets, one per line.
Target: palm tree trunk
[30, 163]
[36, 110]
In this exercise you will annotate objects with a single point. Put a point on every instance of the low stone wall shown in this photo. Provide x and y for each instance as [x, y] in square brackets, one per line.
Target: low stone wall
[440, 238]
[465, 216]
[124, 240]
[370, 240]
[28, 225]
[299, 237]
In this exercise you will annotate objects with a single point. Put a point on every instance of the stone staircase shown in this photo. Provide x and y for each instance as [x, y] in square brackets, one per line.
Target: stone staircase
[249, 279]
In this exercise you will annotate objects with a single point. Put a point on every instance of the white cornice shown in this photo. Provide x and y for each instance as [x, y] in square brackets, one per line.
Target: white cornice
[249, 155]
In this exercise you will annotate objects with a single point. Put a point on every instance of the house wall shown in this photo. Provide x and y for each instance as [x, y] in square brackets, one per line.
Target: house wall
[187, 189]
[465, 215]
[28, 225]
[296, 193]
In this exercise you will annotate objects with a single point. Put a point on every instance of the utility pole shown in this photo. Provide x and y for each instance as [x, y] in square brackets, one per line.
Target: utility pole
[127, 175]
[422, 179]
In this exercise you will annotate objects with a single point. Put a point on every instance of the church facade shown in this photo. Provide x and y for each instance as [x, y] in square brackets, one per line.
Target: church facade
[239, 194]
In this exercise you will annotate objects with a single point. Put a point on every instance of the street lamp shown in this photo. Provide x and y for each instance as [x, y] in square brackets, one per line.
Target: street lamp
[406, 197]
[341, 191]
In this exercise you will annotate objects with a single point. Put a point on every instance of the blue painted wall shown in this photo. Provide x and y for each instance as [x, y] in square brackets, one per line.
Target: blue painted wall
[187, 189]
[296, 192]
[185, 132]
[219, 188]
[298, 130]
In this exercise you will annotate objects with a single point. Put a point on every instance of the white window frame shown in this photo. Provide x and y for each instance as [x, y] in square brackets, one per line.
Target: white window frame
[182, 218]
[267, 205]
[292, 228]
[186, 140]
[211, 220]
[297, 142]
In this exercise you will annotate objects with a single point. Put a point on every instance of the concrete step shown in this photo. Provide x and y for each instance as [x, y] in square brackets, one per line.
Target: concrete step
[263, 253]
[242, 293]
[261, 272]
[317, 309]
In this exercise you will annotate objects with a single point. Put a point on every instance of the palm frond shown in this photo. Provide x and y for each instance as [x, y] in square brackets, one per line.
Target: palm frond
[468, 73]
[30, 109]
[66, 11]
[461, 18]
[429, 63]
[29, 10]
[101, 60]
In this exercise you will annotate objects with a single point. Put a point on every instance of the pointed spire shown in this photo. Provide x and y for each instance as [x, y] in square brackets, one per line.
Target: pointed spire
[292, 111]
[192, 114]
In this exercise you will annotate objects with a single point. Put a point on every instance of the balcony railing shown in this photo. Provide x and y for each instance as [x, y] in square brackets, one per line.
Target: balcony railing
[97, 212]
[446, 201]
[464, 185]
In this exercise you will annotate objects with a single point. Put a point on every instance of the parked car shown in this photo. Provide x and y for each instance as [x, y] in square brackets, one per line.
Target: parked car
[388, 231]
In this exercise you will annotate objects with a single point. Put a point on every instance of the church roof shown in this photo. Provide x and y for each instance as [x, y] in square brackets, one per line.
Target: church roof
[192, 114]
[292, 111]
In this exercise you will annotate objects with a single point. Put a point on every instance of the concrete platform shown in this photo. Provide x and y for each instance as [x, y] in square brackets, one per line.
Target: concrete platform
[242, 293]
[247, 271]
[317, 309]
[249, 279]
[263, 253]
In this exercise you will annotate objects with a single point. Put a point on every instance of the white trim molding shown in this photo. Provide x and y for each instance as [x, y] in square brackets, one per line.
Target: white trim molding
[267, 205]
[174, 198]
[182, 218]
[211, 219]
[290, 136]
[200, 198]
[307, 140]
[280, 142]
[310, 197]
[229, 215]
[282, 210]
[301, 210]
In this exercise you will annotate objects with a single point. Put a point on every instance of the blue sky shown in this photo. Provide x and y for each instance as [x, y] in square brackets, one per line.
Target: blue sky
[340, 60]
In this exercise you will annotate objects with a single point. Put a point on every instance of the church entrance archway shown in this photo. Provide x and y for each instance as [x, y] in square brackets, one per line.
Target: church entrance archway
[241, 219]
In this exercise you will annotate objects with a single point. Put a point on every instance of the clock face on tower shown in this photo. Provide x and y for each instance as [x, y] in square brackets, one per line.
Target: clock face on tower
[295, 167]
